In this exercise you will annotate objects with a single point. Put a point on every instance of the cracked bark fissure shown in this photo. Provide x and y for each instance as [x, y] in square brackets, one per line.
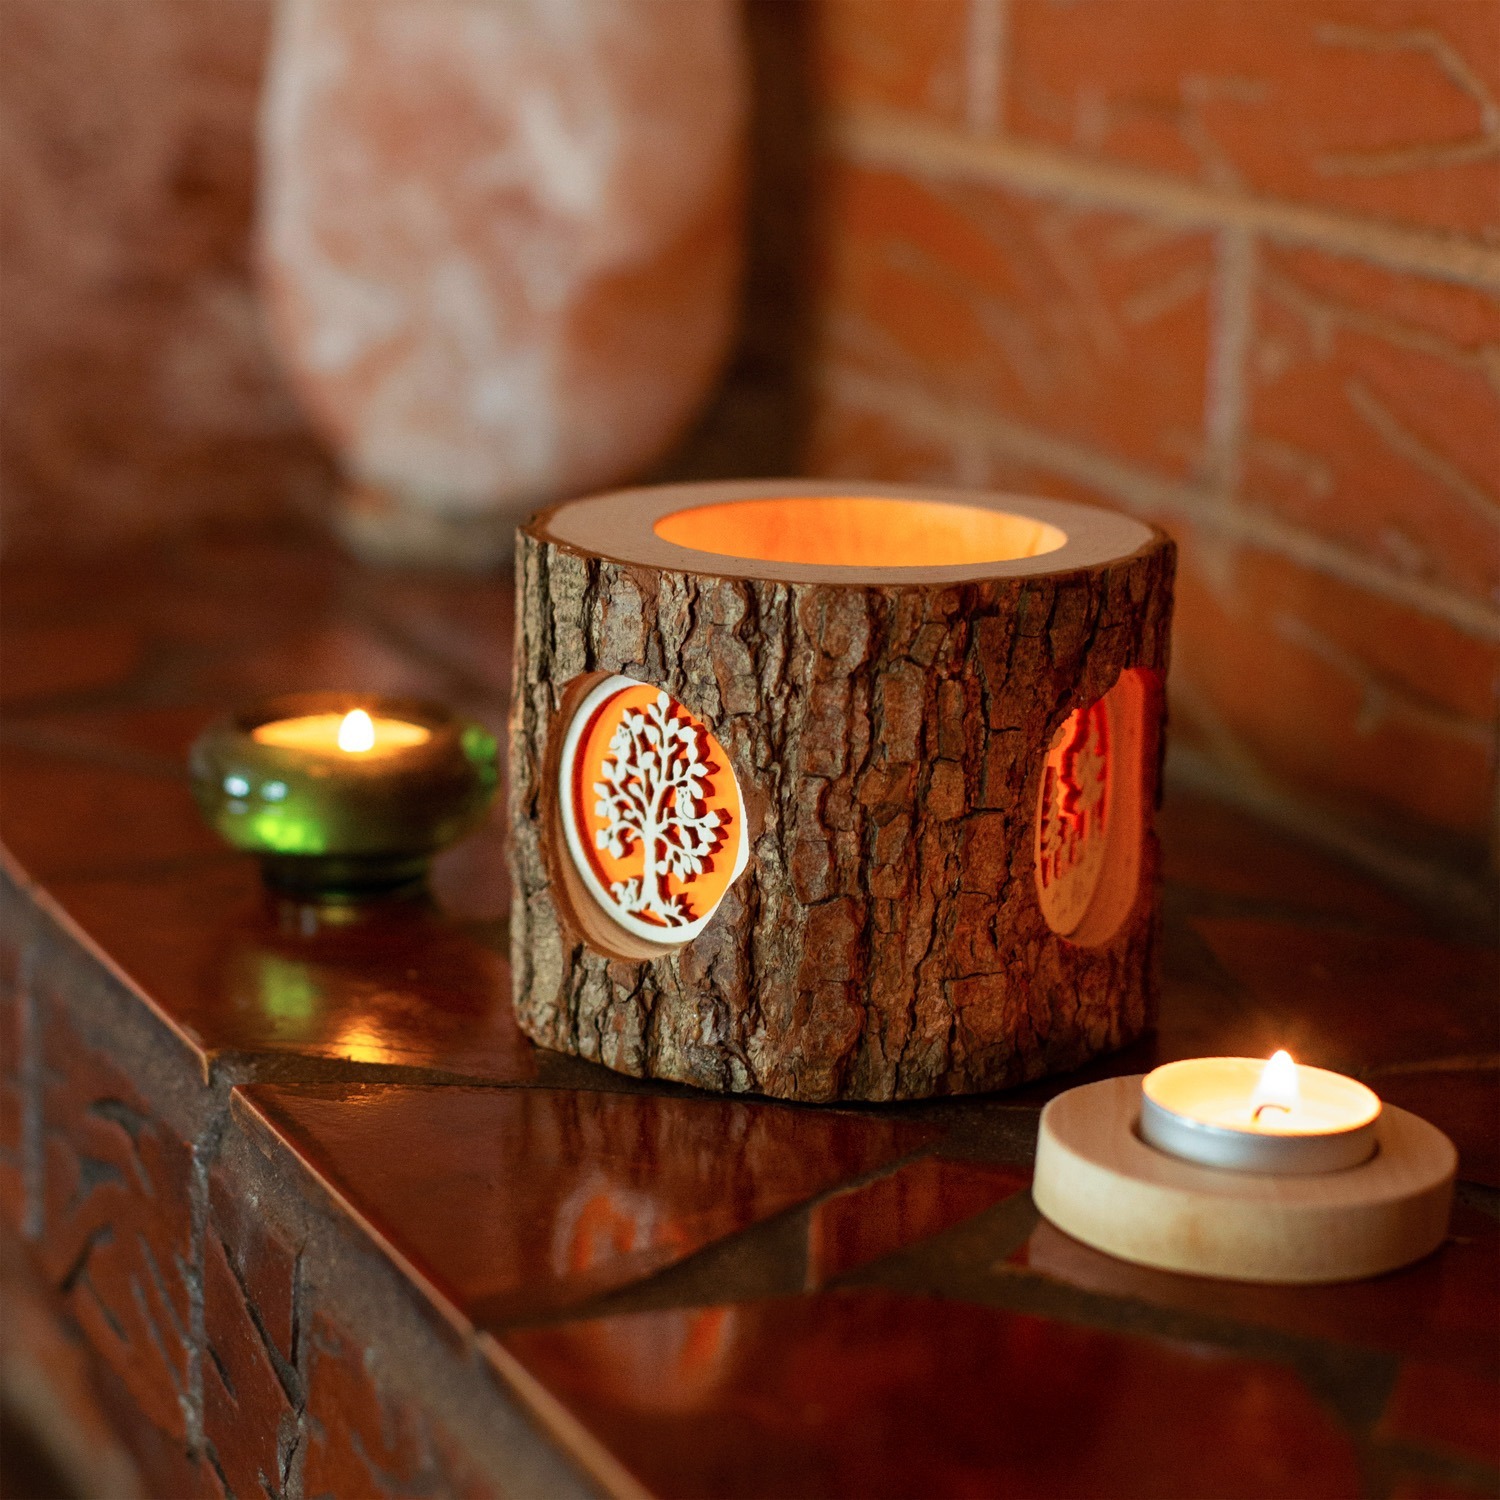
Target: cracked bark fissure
[885, 941]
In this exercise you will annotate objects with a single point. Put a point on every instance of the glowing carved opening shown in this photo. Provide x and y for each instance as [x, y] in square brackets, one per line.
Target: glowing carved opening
[855, 531]
[1089, 821]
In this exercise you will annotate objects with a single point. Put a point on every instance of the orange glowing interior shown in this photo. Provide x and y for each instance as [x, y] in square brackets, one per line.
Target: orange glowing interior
[859, 531]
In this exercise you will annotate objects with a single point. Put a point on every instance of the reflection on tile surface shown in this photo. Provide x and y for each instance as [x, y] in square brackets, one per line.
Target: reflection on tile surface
[1452, 1410]
[395, 983]
[872, 1395]
[1447, 1305]
[518, 1202]
[852, 1228]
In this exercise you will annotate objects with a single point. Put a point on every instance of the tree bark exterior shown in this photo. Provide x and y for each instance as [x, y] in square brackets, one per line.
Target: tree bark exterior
[886, 940]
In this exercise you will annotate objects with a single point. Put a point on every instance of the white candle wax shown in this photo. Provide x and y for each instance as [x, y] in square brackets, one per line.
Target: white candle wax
[1251, 1116]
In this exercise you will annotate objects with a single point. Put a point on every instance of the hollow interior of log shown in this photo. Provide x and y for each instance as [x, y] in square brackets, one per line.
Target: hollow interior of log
[859, 531]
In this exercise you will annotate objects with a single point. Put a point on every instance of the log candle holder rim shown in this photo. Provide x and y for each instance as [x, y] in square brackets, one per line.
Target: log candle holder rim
[636, 526]
[945, 892]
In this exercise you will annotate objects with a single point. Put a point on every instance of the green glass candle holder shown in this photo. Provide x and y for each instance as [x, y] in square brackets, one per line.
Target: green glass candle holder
[330, 821]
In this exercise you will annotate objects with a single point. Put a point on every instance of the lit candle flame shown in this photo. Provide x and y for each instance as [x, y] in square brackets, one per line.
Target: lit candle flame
[356, 732]
[1278, 1087]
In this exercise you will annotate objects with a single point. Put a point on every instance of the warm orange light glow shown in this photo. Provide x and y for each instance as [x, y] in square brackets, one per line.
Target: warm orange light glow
[858, 531]
[1278, 1089]
[362, 1041]
[354, 733]
[357, 731]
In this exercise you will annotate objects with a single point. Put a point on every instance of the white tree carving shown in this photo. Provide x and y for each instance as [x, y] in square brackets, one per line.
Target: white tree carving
[651, 795]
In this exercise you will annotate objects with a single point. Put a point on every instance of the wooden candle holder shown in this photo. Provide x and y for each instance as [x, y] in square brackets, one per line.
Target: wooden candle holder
[827, 792]
[1097, 1180]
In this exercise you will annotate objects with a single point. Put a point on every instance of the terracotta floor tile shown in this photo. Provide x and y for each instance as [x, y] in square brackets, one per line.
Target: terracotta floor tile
[398, 984]
[1360, 1001]
[1212, 850]
[1409, 1486]
[852, 1228]
[64, 817]
[1464, 1102]
[1446, 1307]
[877, 1395]
[515, 1203]
[52, 661]
[246, 1404]
[1445, 1409]
[154, 737]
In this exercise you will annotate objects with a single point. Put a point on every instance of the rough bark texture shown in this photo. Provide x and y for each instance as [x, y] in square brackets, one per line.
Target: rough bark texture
[885, 941]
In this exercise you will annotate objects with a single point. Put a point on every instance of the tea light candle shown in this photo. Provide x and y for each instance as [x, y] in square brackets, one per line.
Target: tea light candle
[1245, 1115]
[340, 796]
[352, 733]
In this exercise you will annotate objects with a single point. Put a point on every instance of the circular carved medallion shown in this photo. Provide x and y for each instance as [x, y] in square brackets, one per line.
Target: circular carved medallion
[1088, 823]
[651, 811]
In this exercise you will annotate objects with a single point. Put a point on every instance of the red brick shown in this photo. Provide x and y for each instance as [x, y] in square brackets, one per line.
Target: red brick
[848, 442]
[1439, 1407]
[369, 1438]
[1375, 415]
[1409, 1486]
[1302, 99]
[12, 1108]
[893, 53]
[1083, 324]
[851, 439]
[1377, 709]
[1373, 708]
[117, 1231]
[249, 1419]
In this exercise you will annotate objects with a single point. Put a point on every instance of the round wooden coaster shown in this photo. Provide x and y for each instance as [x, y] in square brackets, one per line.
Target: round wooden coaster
[1098, 1181]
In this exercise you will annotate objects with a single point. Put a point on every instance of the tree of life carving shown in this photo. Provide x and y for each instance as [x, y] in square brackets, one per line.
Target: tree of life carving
[652, 795]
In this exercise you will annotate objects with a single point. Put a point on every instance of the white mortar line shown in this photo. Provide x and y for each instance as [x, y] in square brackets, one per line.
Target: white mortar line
[1153, 495]
[883, 138]
[985, 66]
[1231, 329]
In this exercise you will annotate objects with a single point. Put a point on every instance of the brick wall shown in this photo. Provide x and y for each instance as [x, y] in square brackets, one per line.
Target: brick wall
[1231, 265]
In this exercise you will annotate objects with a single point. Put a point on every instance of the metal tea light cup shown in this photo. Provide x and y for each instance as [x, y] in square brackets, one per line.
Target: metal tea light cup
[341, 824]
